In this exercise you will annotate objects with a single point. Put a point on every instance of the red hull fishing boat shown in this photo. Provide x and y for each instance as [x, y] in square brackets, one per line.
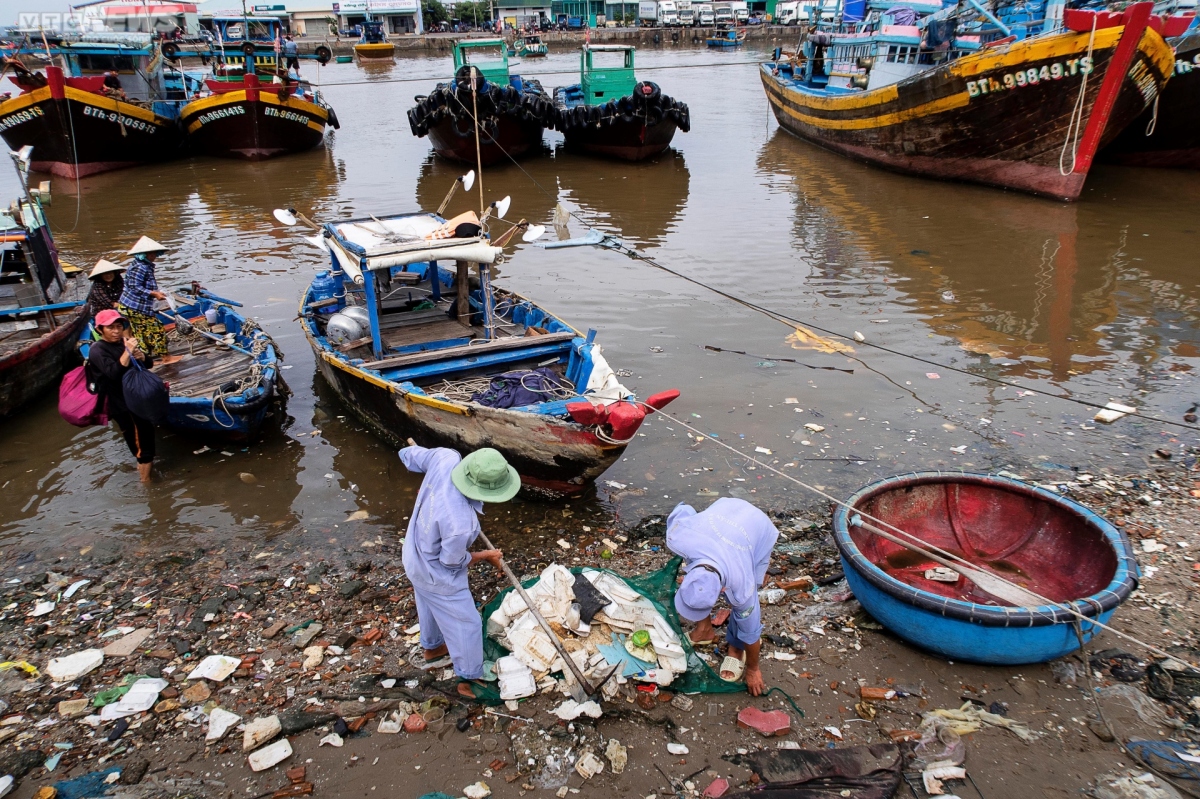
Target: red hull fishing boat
[610, 113]
[78, 125]
[1168, 134]
[41, 309]
[511, 112]
[1022, 113]
[243, 118]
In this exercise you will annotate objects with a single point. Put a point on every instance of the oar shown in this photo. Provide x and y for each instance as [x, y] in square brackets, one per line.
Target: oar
[580, 688]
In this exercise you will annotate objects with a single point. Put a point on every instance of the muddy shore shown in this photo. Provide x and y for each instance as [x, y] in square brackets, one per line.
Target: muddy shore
[253, 604]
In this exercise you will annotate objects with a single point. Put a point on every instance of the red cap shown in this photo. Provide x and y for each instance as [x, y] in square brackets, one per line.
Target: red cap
[105, 318]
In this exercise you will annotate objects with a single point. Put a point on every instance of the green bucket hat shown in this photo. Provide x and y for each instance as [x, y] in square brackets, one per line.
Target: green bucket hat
[485, 475]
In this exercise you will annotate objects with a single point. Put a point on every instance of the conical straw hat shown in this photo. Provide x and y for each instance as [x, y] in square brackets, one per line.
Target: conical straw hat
[103, 266]
[146, 244]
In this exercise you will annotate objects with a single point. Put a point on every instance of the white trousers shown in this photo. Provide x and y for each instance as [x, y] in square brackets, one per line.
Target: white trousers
[453, 620]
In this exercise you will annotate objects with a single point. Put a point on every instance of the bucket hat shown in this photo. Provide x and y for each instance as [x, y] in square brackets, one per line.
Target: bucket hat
[102, 266]
[484, 475]
[697, 594]
[146, 244]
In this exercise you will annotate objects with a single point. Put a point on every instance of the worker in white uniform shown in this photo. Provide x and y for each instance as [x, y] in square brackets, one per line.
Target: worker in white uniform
[444, 525]
[726, 550]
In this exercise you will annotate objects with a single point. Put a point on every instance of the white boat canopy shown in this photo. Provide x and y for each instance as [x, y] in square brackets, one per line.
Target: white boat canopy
[402, 240]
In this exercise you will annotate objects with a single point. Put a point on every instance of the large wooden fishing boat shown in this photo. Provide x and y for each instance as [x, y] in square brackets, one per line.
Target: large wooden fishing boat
[41, 309]
[1167, 134]
[243, 117]
[511, 112]
[414, 339]
[610, 113]
[227, 377]
[80, 126]
[970, 101]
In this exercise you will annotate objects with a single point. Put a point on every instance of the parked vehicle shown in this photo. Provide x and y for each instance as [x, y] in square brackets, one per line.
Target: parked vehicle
[723, 14]
[741, 11]
[648, 13]
[704, 13]
[668, 14]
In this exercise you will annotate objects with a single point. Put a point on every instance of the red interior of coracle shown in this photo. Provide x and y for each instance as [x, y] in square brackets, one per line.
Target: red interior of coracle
[1021, 537]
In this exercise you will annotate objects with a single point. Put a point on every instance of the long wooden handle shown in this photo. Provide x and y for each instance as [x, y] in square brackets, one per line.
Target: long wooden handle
[567, 659]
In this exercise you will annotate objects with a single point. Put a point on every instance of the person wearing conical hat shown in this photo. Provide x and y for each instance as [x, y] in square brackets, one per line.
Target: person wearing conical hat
[108, 283]
[444, 525]
[138, 298]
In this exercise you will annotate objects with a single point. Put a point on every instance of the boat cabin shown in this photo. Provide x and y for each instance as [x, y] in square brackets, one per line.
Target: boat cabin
[238, 29]
[135, 61]
[419, 310]
[372, 33]
[605, 73]
[489, 56]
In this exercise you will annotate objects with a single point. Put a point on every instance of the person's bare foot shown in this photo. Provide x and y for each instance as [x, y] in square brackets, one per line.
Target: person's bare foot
[434, 654]
[144, 473]
[464, 689]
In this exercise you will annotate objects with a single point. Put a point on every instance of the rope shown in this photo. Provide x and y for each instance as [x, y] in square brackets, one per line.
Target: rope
[1075, 126]
[775, 689]
[1153, 117]
[915, 541]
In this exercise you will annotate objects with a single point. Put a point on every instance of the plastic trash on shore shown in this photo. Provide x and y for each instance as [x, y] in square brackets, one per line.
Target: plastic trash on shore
[74, 666]
[564, 600]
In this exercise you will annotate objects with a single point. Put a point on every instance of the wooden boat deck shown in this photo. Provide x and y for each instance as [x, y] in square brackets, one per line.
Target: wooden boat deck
[12, 340]
[205, 367]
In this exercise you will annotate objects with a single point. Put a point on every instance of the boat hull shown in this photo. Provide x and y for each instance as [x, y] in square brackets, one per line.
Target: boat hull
[1175, 124]
[31, 371]
[972, 120]
[629, 141]
[454, 138]
[75, 133]
[554, 457]
[253, 125]
[375, 50]
[1044, 541]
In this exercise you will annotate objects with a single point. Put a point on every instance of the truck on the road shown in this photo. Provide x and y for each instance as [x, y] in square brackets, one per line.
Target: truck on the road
[741, 11]
[687, 14]
[704, 15]
[648, 13]
[788, 13]
[722, 14]
[668, 14]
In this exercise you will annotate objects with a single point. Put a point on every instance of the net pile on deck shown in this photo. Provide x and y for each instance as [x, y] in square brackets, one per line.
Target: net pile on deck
[602, 622]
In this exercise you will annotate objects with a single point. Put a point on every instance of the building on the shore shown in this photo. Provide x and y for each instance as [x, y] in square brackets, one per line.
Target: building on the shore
[591, 11]
[523, 13]
[398, 16]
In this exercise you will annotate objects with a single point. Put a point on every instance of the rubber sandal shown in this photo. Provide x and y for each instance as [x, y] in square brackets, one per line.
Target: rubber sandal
[734, 666]
[707, 642]
[416, 659]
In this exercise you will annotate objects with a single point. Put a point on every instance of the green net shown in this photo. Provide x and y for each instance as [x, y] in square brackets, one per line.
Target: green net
[657, 586]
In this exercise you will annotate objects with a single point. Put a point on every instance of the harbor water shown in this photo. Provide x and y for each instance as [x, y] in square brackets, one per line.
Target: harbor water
[994, 293]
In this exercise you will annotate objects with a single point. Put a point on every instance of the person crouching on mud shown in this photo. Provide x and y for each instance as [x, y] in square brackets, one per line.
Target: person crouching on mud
[444, 524]
[726, 550]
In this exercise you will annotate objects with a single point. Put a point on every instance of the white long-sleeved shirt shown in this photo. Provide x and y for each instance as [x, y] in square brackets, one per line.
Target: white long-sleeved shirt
[443, 526]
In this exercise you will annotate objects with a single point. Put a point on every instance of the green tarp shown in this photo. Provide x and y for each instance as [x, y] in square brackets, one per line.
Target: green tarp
[657, 586]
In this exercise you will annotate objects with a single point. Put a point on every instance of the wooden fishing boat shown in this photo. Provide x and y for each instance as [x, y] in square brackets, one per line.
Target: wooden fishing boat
[530, 46]
[1167, 134]
[409, 332]
[227, 377]
[80, 127]
[244, 118]
[610, 113]
[727, 38]
[41, 308]
[962, 100]
[374, 42]
[1033, 537]
[512, 112]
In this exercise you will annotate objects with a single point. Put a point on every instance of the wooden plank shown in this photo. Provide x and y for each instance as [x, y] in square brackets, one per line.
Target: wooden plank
[495, 345]
[426, 334]
[463, 282]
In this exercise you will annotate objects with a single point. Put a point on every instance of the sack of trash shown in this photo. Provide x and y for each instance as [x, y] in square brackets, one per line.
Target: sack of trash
[603, 620]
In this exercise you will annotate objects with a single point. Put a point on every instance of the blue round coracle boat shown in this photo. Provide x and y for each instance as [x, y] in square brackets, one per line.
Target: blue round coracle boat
[1027, 535]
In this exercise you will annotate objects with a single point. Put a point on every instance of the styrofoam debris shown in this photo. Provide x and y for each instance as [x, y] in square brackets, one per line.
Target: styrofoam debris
[479, 790]
[1112, 412]
[142, 696]
[271, 755]
[220, 721]
[74, 666]
[677, 749]
[572, 710]
[215, 668]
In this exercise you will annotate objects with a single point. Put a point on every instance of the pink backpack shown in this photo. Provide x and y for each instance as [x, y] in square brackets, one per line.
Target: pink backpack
[76, 404]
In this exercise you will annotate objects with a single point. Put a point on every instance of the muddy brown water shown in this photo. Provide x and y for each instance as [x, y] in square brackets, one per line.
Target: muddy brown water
[1096, 300]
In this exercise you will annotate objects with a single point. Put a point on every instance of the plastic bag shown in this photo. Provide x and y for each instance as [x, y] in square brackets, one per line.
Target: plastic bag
[146, 394]
[76, 404]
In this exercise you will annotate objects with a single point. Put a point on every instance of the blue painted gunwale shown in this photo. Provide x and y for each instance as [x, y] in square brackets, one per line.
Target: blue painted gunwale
[966, 630]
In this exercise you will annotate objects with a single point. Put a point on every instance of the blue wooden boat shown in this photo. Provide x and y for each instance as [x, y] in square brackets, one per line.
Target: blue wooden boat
[727, 38]
[1035, 538]
[410, 333]
[228, 375]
